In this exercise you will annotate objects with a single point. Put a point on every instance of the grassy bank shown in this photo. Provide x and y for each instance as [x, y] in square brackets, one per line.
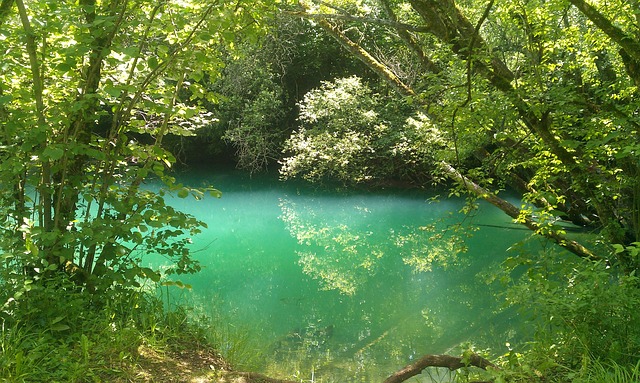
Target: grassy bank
[59, 334]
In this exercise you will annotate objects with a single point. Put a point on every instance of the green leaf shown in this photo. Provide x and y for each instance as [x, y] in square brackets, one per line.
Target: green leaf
[511, 262]
[5, 99]
[113, 91]
[154, 276]
[152, 62]
[55, 324]
[53, 153]
[59, 327]
[57, 319]
[183, 193]
[197, 75]
[618, 248]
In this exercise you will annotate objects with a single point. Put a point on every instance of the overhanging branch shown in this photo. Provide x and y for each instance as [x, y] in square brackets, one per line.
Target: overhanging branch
[627, 42]
[515, 213]
[365, 57]
[364, 20]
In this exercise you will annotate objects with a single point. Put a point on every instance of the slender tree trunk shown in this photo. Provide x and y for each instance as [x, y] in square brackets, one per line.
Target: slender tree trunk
[44, 187]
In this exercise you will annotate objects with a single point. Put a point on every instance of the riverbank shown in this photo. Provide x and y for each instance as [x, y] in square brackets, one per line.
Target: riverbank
[187, 361]
[66, 336]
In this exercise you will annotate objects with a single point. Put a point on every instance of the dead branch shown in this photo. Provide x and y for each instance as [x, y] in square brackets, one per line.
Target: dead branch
[450, 362]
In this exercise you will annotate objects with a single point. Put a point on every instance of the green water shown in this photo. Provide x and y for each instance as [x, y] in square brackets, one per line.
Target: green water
[340, 285]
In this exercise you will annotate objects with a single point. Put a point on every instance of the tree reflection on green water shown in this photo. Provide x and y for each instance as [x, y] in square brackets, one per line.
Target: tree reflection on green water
[346, 286]
[343, 250]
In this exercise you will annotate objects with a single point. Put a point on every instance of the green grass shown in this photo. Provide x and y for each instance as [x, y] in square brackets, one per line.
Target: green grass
[596, 371]
[58, 334]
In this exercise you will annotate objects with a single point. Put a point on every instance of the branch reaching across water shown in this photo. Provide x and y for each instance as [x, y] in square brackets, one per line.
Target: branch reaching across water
[450, 362]
[515, 213]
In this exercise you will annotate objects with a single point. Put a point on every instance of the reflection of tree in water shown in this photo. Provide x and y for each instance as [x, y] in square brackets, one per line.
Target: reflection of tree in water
[343, 250]
[340, 256]
[313, 352]
[397, 313]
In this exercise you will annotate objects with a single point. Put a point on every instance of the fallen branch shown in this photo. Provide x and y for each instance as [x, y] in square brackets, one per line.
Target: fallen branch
[450, 362]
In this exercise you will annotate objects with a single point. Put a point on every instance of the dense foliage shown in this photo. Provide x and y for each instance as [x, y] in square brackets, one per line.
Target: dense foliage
[526, 94]
[254, 100]
[88, 92]
[348, 133]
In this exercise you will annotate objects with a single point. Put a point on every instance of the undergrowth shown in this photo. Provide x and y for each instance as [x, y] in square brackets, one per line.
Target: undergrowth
[56, 333]
[583, 318]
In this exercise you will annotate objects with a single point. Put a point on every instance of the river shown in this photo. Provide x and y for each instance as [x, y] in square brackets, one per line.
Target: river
[329, 284]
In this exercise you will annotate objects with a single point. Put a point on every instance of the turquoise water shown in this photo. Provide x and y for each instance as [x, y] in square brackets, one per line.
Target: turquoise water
[336, 285]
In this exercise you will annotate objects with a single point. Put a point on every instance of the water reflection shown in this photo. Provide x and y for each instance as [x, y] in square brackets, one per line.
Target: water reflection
[343, 248]
[330, 286]
[381, 269]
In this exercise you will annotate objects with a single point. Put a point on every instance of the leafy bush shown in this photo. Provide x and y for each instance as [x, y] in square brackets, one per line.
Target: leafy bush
[585, 315]
[348, 132]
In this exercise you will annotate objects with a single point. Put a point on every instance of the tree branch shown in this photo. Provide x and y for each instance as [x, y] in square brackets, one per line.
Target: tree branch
[413, 44]
[365, 20]
[630, 45]
[447, 361]
[365, 57]
[515, 213]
